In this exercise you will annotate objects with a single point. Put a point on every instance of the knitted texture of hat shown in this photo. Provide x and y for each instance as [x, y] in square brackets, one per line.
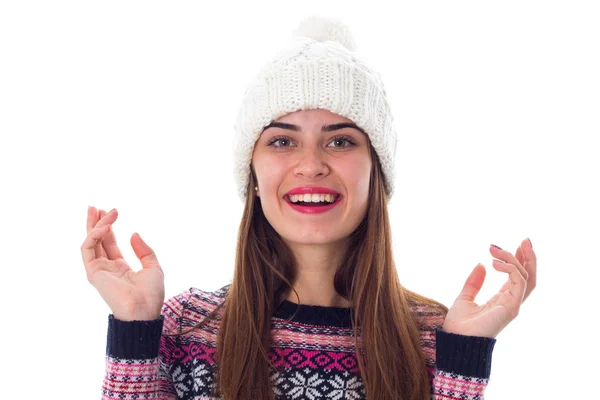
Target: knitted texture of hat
[319, 69]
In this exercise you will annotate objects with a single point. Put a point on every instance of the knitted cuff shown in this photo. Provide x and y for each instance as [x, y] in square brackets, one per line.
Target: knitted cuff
[133, 339]
[464, 355]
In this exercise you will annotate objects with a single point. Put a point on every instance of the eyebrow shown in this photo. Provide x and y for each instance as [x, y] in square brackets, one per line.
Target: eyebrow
[324, 128]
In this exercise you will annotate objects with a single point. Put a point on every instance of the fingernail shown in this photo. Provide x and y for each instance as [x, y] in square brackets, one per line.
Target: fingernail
[497, 247]
[530, 243]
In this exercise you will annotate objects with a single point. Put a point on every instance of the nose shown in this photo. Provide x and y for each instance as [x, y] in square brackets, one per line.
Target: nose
[311, 165]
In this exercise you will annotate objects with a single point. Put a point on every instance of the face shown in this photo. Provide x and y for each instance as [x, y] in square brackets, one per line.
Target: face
[306, 151]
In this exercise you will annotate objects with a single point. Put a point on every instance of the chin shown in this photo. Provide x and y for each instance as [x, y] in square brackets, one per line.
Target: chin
[313, 238]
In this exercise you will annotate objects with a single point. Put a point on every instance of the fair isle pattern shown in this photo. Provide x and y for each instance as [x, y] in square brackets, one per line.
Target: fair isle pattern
[312, 384]
[314, 360]
[327, 360]
[306, 336]
[311, 361]
[129, 379]
[449, 385]
[191, 368]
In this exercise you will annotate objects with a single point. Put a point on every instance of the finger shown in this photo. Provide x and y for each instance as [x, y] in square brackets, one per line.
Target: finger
[109, 243]
[519, 256]
[508, 258]
[518, 284]
[88, 254]
[105, 218]
[473, 284]
[92, 220]
[99, 248]
[530, 265]
[144, 252]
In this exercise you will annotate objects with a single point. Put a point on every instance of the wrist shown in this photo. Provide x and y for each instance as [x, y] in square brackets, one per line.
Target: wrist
[136, 317]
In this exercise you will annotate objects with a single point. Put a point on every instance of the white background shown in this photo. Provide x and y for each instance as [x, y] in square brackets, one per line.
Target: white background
[131, 104]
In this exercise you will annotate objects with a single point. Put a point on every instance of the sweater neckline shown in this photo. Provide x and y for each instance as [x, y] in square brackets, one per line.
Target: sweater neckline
[339, 317]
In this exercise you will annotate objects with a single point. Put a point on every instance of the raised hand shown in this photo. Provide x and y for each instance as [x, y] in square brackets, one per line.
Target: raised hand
[131, 295]
[465, 317]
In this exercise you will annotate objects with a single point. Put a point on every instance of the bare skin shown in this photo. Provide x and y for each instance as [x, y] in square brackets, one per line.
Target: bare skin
[304, 157]
[318, 242]
[131, 295]
[310, 151]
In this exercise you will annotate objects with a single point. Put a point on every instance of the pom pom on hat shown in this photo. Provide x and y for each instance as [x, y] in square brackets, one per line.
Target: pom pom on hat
[323, 29]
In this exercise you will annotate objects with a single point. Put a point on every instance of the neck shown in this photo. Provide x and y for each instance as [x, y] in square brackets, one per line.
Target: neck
[317, 265]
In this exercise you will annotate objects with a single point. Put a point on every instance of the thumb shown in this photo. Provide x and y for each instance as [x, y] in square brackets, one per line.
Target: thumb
[144, 252]
[473, 284]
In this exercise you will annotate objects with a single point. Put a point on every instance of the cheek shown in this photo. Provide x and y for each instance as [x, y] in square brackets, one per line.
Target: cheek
[268, 170]
[358, 175]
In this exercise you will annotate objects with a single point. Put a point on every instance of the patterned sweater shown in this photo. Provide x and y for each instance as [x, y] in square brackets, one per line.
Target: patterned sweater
[314, 354]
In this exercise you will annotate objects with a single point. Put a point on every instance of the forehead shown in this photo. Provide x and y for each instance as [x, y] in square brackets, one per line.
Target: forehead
[312, 117]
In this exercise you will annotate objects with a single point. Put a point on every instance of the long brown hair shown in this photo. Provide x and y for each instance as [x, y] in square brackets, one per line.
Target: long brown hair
[391, 359]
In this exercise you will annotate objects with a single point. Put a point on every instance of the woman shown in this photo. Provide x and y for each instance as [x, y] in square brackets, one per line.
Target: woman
[315, 308]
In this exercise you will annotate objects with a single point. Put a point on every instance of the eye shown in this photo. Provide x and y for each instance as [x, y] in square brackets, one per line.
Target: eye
[342, 139]
[281, 139]
[284, 141]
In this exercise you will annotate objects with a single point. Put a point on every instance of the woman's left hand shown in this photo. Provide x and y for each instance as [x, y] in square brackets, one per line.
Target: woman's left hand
[465, 317]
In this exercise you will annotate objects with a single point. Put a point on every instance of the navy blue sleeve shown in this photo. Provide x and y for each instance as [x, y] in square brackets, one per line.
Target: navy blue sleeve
[133, 339]
[464, 355]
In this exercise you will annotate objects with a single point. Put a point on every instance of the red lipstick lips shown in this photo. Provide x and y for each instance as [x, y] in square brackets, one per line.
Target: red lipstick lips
[306, 209]
[311, 190]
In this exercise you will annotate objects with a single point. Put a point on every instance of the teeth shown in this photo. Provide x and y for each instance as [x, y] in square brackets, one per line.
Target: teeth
[312, 198]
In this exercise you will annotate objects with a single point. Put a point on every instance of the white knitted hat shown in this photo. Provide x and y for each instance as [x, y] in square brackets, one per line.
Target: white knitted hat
[318, 70]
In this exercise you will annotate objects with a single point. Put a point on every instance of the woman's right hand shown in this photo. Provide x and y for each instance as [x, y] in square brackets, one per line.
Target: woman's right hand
[130, 295]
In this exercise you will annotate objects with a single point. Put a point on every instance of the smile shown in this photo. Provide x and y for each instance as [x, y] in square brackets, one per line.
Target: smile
[313, 203]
